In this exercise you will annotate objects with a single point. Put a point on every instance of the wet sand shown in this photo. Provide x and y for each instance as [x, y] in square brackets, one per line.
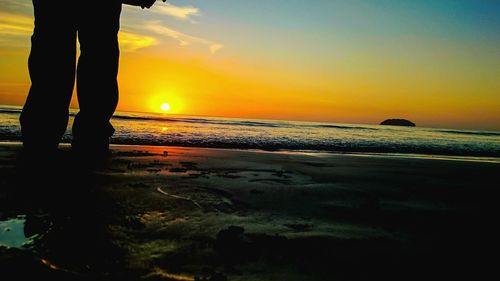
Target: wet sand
[173, 213]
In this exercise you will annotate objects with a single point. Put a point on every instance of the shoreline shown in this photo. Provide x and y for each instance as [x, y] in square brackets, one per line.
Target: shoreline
[74, 111]
[443, 157]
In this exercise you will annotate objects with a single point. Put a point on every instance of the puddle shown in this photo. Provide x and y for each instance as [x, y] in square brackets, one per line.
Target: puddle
[12, 233]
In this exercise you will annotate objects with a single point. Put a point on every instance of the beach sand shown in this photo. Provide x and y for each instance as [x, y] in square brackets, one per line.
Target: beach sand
[174, 213]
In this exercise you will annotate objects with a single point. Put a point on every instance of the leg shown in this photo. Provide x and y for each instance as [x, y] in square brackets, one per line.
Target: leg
[52, 71]
[97, 87]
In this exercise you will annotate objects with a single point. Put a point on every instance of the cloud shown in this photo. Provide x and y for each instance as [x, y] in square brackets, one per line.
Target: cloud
[157, 28]
[184, 13]
[13, 24]
[181, 38]
[130, 41]
[215, 47]
[17, 7]
[15, 29]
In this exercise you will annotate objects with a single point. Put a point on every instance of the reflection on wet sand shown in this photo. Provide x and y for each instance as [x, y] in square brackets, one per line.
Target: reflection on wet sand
[167, 213]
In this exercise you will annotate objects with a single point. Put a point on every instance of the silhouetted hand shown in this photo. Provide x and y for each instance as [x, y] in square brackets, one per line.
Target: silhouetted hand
[148, 3]
[142, 3]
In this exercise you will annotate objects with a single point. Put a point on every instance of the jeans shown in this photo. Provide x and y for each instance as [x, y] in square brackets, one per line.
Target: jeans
[52, 66]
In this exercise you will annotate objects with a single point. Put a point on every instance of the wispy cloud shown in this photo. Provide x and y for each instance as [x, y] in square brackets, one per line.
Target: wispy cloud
[180, 12]
[13, 24]
[17, 7]
[15, 29]
[158, 28]
[130, 41]
[182, 38]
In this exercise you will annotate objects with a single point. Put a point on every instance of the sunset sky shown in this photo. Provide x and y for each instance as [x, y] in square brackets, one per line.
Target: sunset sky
[436, 63]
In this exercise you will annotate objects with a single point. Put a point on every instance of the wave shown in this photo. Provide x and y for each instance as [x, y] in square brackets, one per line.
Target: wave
[199, 121]
[10, 110]
[356, 147]
[284, 144]
[229, 122]
[470, 133]
[236, 122]
[173, 119]
[17, 111]
[138, 129]
[344, 127]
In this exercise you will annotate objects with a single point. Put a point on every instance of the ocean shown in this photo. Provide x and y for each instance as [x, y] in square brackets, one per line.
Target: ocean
[195, 131]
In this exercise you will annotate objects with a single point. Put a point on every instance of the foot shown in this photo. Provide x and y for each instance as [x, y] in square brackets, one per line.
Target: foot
[91, 154]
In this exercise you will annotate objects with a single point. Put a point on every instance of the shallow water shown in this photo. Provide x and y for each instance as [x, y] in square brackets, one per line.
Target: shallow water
[12, 233]
[181, 130]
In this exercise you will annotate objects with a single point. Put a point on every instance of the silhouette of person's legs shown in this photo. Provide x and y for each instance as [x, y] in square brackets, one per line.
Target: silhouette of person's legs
[52, 66]
[52, 71]
[97, 87]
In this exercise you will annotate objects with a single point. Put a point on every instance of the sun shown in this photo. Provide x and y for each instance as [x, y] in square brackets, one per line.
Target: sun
[166, 102]
[165, 107]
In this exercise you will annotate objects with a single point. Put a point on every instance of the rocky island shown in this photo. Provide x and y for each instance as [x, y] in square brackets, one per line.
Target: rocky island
[398, 122]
